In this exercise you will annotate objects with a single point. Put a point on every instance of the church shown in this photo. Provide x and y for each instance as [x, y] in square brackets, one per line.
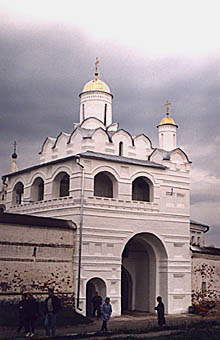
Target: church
[116, 207]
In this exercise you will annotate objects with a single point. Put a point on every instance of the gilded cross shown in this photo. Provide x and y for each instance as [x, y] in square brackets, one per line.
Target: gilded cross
[167, 105]
[96, 64]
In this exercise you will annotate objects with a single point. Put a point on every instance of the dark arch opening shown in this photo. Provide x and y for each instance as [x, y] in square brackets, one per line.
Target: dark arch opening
[103, 185]
[141, 189]
[126, 290]
[38, 189]
[121, 149]
[64, 185]
[18, 192]
[94, 285]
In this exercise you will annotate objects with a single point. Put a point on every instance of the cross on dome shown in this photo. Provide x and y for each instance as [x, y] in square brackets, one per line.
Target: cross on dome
[167, 105]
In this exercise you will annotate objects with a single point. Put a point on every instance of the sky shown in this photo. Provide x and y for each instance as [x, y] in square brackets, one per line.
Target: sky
[150, 51]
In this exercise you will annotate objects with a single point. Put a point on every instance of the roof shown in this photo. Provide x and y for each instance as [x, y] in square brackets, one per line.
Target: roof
[122, 159]
[205, 250]
[200, 224]
[90, 154]
[38, 221]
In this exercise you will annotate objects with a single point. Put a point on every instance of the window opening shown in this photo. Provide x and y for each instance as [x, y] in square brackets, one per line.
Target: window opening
[121, 149]
[105, 114]
[64, 185]
[103, 186]
[140, 190]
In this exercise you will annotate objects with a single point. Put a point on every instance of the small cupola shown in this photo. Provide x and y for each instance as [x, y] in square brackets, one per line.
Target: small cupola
[167, 131]
[96, 99]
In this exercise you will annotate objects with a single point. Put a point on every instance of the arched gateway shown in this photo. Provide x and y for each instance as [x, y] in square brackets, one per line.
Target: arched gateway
[144, 273]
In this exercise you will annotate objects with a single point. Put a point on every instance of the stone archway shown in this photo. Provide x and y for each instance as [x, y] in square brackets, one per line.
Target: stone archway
[94, 285]
[144, 273]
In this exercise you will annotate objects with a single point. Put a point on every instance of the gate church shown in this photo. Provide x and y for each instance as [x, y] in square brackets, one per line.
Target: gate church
[129, 200]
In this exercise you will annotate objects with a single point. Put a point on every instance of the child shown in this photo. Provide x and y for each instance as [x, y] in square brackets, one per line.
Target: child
[160, 312]
[106, 311]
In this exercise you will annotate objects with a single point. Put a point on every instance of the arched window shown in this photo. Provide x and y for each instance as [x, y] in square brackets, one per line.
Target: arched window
[121, 149]
[18, 192]
[37, 190]
[61, 185]
[142, 189]
[65, 185]
[103, 185]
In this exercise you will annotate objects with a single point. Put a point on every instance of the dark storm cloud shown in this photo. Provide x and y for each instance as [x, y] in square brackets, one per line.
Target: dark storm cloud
[43, 69]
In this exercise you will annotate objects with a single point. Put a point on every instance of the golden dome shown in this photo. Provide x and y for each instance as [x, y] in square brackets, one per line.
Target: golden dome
[96, 85]
[167, 120]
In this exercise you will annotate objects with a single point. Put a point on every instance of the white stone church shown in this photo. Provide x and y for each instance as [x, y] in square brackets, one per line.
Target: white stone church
[129, 201]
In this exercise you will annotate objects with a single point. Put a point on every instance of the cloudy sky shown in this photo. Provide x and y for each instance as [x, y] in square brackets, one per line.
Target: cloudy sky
[150, 51]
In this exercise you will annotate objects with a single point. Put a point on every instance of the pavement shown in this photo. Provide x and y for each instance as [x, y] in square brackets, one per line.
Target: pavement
[142, 324]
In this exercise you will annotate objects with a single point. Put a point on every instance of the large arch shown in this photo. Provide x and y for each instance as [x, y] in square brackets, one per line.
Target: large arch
[105, 185]
[144, 273]
[94, 285]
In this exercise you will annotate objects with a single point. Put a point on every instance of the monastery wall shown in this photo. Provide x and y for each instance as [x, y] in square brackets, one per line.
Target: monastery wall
[34, 258]
[206, 278]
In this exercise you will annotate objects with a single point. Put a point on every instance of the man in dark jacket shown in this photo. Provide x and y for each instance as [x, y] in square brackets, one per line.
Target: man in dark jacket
[97, 302]
[52, 307]
[31, 313]
[160, 312]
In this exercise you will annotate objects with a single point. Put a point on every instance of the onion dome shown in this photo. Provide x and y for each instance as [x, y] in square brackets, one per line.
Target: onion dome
[14, 155]
[96, 85]
[167, 120]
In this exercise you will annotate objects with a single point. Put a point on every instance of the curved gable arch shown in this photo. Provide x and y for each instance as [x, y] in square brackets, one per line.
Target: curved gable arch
[123, 133]
[92, 123]
[180, 153]
[144, 138]
[102, 132]
[49, 141]
[62, 135]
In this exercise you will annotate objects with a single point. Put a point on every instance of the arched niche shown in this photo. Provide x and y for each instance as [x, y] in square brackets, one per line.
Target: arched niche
[142, 189]
[37, 190]
[105, 185]
[61, 184]
[18, 192]
[94, 285]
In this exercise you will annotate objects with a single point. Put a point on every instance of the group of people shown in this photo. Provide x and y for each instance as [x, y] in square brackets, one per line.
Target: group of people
[104, 311]
[29, 312]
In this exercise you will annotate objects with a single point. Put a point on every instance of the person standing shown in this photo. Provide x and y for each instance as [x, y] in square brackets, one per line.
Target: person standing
[52, 307]
[97, 302]
[106, 311]
[160, 312]
[31, 313]
[21, 314]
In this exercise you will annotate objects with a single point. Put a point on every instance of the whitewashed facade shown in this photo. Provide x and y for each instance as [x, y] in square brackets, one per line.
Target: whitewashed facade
[129, 200]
